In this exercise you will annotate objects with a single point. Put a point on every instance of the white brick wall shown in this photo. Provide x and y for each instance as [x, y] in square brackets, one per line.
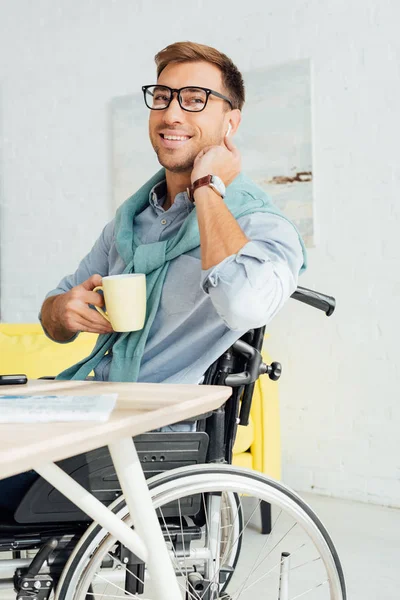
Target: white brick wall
[61, 62]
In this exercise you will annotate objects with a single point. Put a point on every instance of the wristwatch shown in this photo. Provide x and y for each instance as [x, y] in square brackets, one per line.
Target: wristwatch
[213, 181]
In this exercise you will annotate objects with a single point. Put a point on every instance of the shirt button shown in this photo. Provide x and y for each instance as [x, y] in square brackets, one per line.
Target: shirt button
[164, 222]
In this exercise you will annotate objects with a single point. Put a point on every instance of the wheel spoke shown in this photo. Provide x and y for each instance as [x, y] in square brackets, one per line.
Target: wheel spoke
[117, 586]
[304, 564]
[119, 561]
[176, 559]
[231, 527]
[183, 540]
[243, 529]
[265, 545]
[238, 537]
[310, 590]
[272, 569]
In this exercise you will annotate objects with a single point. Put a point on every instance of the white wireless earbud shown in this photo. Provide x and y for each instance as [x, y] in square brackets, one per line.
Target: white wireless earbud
[229, 129]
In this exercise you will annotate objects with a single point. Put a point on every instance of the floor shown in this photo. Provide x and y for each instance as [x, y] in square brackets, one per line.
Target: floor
[367, 539]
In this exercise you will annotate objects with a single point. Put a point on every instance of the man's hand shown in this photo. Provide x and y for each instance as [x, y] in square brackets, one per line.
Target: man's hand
[66, 314]
[223, 161]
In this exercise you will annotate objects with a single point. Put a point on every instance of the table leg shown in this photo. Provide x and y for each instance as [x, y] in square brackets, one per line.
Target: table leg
[145, 520]
[93, 507]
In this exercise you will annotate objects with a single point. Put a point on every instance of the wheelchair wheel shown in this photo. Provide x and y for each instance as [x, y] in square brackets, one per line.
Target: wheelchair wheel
[223, 557]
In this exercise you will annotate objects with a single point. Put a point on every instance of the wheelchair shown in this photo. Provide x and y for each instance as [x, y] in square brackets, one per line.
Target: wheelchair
[50, 549]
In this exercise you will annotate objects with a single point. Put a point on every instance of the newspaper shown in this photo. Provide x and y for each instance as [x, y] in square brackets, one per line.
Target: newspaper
[55, 409]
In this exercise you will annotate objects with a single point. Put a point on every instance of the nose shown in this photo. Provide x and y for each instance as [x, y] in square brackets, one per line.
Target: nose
[174, 113]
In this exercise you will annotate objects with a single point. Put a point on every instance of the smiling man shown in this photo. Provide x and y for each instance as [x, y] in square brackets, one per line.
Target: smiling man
[229, 259]
[219, 258]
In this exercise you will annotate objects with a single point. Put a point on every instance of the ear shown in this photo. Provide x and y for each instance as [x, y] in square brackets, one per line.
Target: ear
[235, 117]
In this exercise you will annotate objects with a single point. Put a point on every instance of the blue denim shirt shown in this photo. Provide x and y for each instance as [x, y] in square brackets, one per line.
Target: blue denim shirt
[201, 313]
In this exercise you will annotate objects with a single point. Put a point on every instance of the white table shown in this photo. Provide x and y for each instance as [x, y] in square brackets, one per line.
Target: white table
[140, 408]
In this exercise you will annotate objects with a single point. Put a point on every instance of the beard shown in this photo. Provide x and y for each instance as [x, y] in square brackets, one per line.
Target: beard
[173, 164]
[170, 160]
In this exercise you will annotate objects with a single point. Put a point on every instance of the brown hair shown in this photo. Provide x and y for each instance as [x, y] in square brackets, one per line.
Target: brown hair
[192, 52]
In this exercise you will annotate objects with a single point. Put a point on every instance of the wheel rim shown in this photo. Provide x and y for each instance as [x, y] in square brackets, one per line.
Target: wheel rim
[246, 487]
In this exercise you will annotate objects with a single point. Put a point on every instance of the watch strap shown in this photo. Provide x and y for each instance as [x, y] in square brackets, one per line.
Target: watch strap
[206, 180]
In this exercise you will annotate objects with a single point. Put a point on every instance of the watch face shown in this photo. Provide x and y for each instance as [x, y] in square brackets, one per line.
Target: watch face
[218, 184]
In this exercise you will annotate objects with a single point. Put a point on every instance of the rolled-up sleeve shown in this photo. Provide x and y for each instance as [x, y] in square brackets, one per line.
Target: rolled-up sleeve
[247, 289]
[96, 261]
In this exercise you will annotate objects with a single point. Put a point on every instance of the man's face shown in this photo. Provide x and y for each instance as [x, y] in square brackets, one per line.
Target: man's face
[201, 129]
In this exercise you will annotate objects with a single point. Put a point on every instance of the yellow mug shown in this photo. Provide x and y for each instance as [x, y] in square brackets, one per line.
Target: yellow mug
[125, 298]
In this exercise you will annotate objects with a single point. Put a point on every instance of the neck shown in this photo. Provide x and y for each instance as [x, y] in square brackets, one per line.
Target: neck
[176, 183]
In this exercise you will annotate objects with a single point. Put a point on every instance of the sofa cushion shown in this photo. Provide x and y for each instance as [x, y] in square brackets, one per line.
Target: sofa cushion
[244, 459]
[25, 349]
[244, 437]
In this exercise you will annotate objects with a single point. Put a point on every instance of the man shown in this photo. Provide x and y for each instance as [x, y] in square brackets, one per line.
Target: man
[229, 262]
[240, 272]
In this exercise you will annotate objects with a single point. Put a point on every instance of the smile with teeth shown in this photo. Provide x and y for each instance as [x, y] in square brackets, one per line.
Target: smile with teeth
[178, 138]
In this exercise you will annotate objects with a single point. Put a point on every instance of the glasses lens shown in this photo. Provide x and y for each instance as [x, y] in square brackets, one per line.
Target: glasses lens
[193, 99]
[157, 97]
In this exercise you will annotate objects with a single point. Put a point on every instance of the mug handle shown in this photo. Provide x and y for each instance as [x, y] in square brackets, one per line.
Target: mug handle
[100, 310]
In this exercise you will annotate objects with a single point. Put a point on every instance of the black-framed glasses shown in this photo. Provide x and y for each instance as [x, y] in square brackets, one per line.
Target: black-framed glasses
[192, 99]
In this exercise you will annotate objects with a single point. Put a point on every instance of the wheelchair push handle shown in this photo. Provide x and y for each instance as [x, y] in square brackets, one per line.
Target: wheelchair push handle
[254, 364]
[253, 358]
[315, 299]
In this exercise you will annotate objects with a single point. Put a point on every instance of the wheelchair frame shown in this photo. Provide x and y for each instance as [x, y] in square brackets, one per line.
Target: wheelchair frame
[239, 367]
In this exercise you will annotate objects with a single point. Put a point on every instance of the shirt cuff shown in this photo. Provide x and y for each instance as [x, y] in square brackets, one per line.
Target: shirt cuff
[211, 277]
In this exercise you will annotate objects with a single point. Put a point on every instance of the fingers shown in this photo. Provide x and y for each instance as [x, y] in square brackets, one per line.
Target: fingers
[95, 298]
[93, 323]
[74, 314]
[92, 282]
[79, 324]
[196, 160]
[203, 152]
[92, 326]
[94, 319]
[230, 145]
[80, 296]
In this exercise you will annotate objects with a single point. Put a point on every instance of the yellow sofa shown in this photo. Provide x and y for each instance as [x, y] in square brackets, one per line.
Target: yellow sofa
[25, 349]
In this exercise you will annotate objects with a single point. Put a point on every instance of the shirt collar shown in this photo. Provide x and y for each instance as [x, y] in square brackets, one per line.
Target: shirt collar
[157, 198]
[157, 195]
